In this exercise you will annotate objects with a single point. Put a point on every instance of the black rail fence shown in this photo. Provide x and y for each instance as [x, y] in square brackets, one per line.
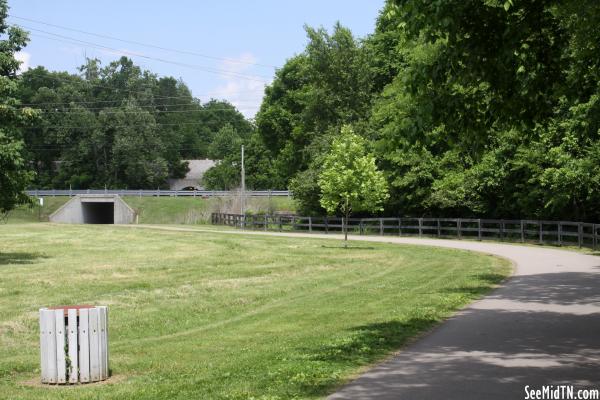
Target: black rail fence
[561, 233]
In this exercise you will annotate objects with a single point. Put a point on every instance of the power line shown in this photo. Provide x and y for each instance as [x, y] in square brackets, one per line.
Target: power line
[234, 109]
[153, 98]
[116, 126]
[143, 44]
[70, 40]
[44, 148]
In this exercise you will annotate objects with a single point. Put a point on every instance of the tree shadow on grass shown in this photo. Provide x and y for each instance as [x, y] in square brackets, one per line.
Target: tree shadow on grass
[486, 282]
[370, 343]
[363, 345]
[19, 258]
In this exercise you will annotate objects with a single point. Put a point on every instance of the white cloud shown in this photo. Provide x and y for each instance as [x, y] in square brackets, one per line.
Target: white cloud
[242, 87]
[24, 57]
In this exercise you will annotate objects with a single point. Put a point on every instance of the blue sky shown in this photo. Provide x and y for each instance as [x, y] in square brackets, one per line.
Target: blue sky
[239, 33]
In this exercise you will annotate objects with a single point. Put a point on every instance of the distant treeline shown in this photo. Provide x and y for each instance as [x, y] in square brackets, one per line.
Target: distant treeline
[119, 126]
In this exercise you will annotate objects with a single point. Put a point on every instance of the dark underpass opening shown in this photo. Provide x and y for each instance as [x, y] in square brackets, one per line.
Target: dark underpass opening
[98, 213]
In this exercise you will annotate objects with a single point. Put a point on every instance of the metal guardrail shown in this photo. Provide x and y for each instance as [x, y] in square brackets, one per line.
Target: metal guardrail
[561, 233]
[157, 193]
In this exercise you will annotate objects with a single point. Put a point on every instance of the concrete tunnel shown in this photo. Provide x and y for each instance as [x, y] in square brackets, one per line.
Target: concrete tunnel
[94, 209]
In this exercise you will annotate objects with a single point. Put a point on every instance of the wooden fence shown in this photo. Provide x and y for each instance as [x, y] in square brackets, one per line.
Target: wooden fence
[561, 233]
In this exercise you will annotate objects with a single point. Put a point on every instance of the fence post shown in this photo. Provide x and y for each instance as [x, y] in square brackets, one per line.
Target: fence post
[266, 222]
[541, 232]
[580, 234]
[559, 231]
[380, 226]
[439, 228]
[522, 232]
[361, 228]
[399, 226]
[502, 228]
[326, 225]
[479, 229]
[458, 228]
[595, 236]
[310, 224]
[420, 227]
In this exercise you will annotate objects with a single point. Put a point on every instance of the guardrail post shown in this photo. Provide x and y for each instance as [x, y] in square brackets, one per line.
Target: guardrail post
[310, 224]
[458, 228]
[479, 229]
[420, 227]
[595, 236]
[380, 226]
[541, 232]
[580, 234]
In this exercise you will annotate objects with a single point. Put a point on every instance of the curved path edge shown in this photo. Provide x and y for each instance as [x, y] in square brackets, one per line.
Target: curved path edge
[540, 327]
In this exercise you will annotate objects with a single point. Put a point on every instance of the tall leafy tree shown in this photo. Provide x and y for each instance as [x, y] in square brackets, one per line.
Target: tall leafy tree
[14, 171]
[482, 118]
[312, 96]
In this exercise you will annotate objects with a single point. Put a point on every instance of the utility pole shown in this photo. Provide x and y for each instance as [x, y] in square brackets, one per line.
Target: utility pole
[243, 194]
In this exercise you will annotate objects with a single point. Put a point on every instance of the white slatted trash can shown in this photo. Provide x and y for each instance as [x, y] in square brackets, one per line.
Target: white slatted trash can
[74, 344]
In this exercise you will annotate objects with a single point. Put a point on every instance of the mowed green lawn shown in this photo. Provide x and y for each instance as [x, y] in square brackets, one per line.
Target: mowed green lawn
[219, 316]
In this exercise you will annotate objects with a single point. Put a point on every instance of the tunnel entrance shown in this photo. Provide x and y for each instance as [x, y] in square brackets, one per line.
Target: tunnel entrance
[98, 213]
[94, 209]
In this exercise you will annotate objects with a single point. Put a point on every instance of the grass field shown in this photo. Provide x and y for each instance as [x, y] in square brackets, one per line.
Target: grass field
[160, 210]
[218, 316]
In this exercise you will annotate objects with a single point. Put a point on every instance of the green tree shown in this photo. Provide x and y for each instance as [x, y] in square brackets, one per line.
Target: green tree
[14, 172]
[226, 142]
[350, 180]
[312, 96]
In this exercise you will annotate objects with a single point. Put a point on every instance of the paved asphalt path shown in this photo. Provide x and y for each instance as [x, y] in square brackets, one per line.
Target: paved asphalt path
[541, 327]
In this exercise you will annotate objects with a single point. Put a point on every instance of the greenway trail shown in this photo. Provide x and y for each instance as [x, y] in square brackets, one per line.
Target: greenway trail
[540, 327]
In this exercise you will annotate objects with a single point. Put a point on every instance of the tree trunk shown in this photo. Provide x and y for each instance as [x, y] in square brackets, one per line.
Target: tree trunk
[346, 226]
